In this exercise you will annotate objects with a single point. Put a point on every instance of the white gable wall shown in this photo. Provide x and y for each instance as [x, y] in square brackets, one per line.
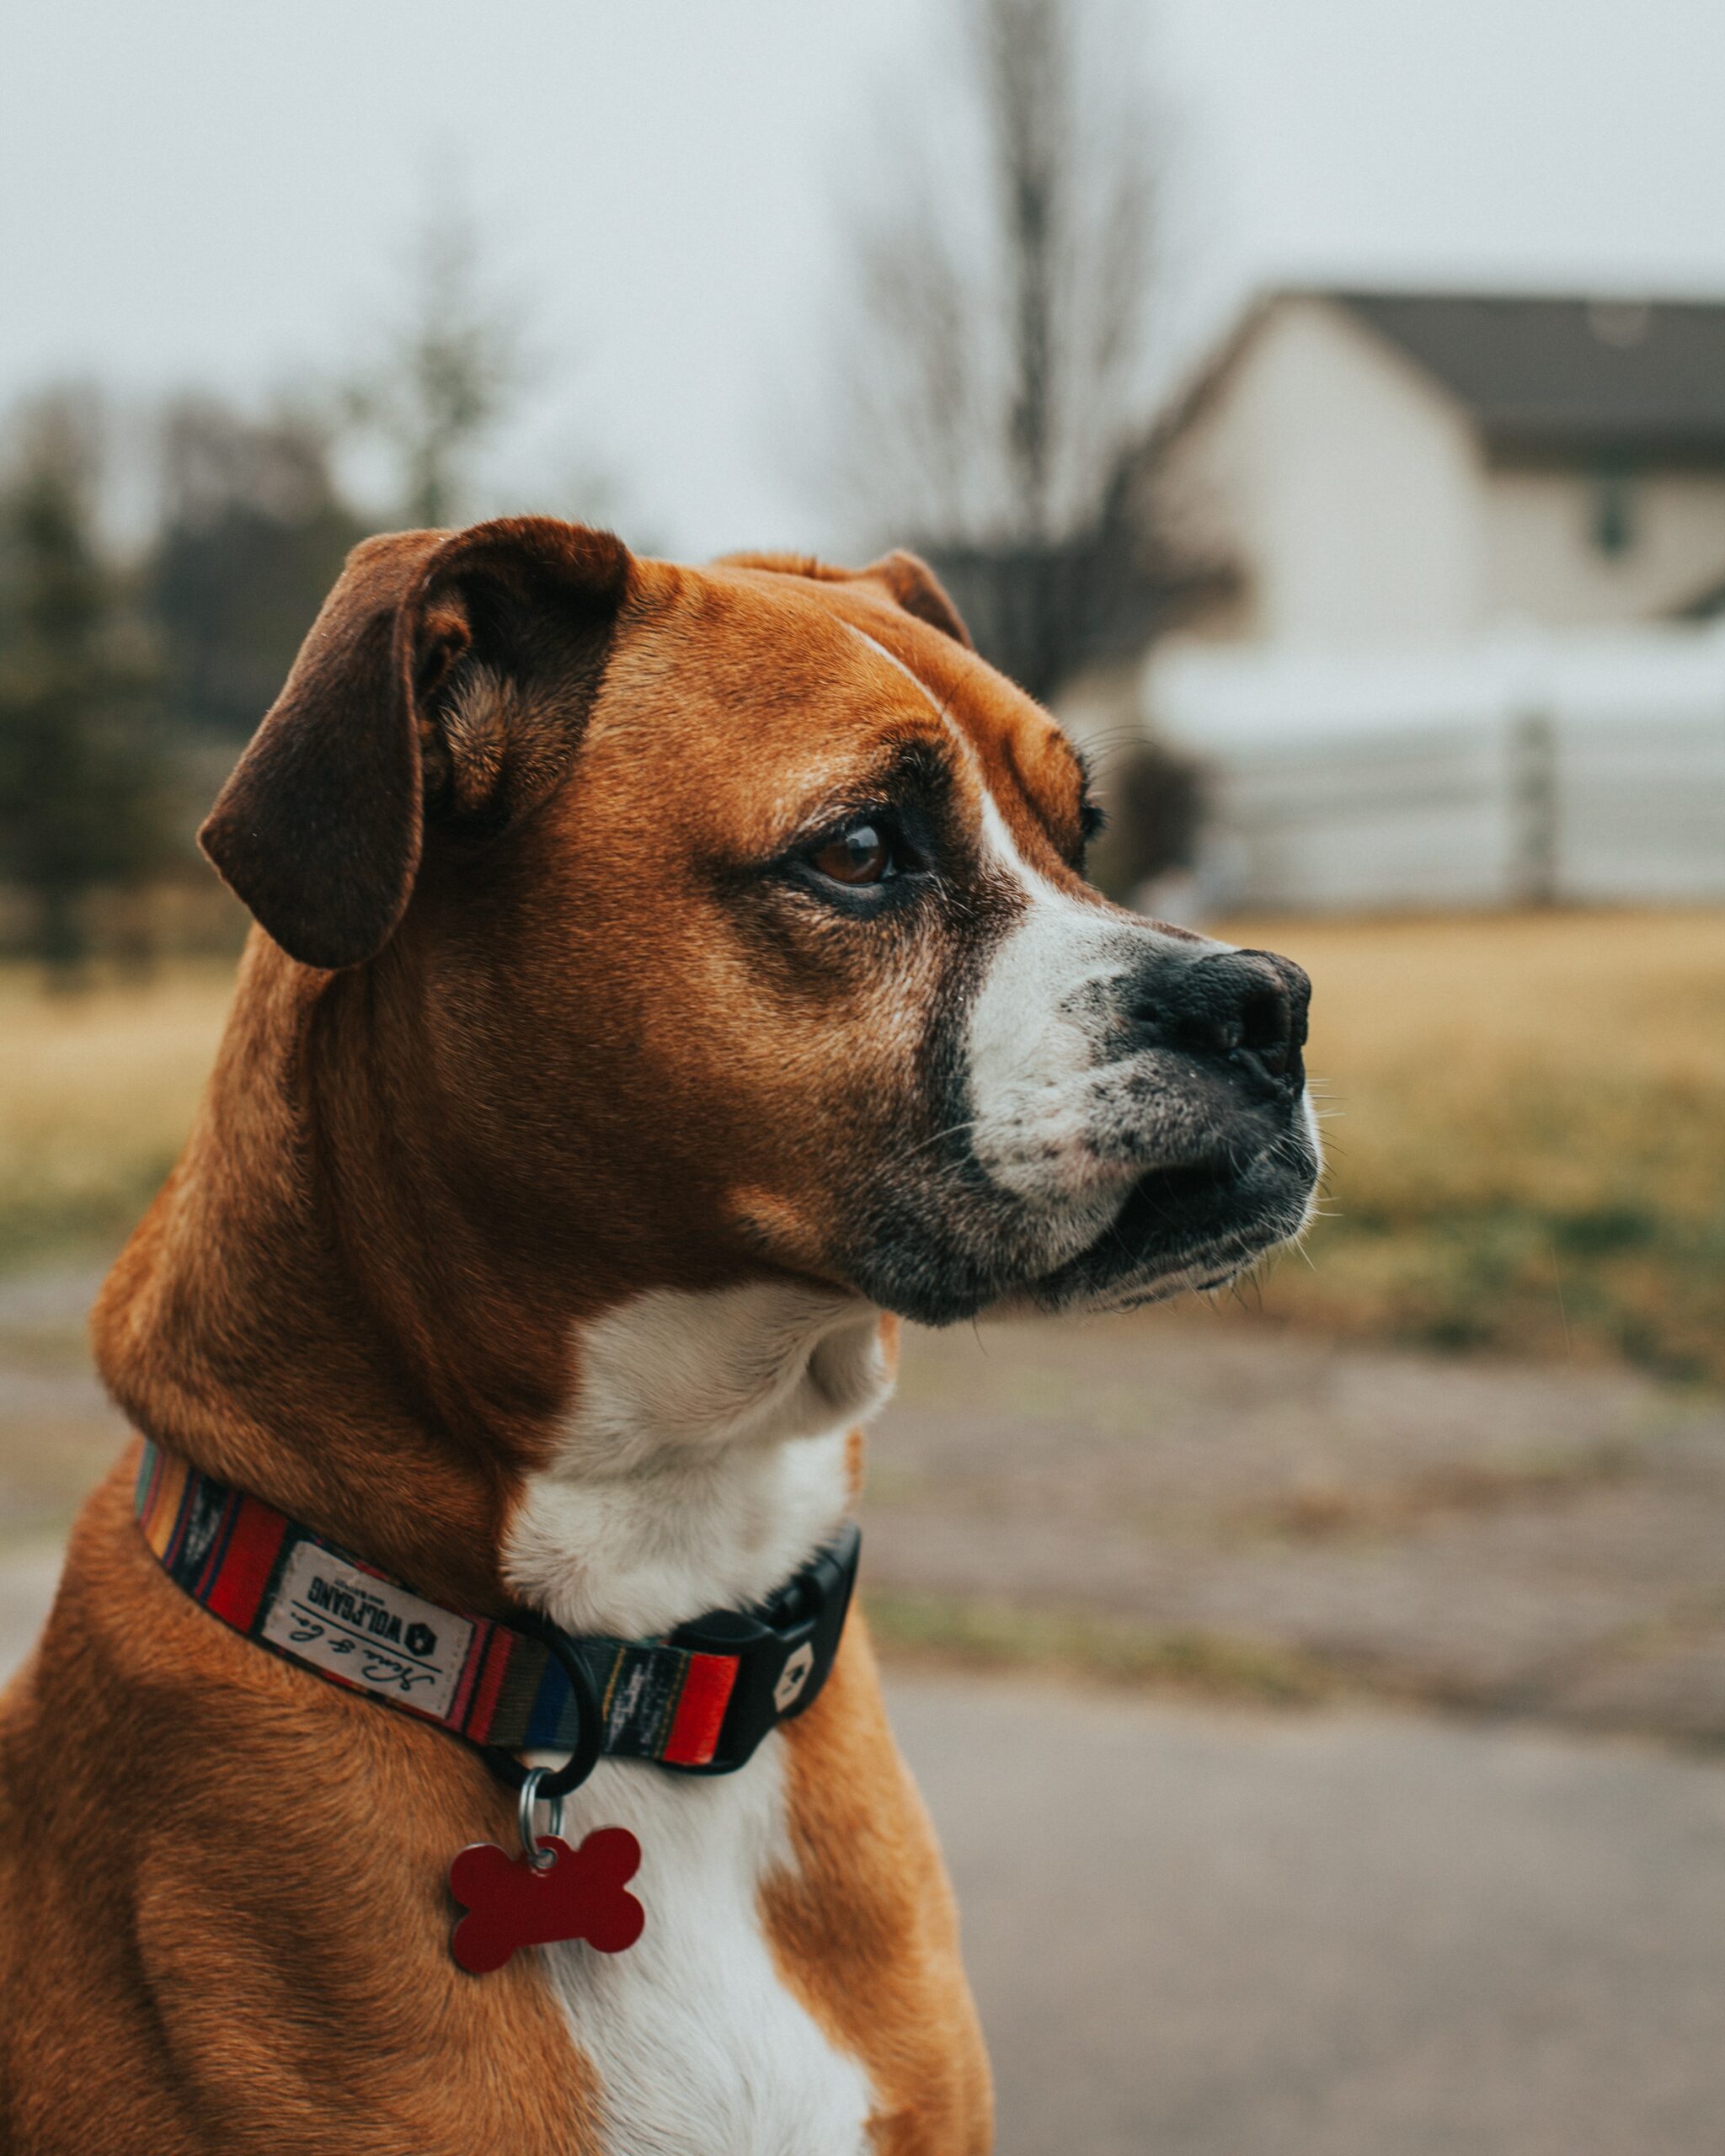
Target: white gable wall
[1349, 488]
[1352, 491]
[1543, 562]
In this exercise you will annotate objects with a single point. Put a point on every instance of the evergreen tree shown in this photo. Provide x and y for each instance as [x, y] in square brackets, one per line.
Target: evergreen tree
[253, 533]
[83, 801]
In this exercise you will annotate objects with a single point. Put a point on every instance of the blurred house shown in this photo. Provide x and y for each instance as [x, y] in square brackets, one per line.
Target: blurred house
[1386, 466]
[1464, 653]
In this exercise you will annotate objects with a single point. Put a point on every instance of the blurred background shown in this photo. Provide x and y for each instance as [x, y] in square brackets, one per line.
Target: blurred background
[1322, 405]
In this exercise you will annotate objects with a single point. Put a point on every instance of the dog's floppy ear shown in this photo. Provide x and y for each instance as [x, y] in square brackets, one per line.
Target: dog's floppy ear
[447, 673]
[907, 579]
[919, 591]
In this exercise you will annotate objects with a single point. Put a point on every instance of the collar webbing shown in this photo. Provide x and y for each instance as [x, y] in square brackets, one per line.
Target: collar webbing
[699, 1699]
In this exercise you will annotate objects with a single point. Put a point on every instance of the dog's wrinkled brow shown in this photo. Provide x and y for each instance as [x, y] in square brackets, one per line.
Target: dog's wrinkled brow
[914, 768]
[967, 749]
[1064, 822]
[894, 660]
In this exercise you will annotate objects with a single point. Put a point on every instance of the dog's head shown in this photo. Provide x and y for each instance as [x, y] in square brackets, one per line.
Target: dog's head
[741, 917]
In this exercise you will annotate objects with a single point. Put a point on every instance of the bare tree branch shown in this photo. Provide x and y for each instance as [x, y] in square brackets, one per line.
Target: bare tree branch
[992, 376]
[451, 365]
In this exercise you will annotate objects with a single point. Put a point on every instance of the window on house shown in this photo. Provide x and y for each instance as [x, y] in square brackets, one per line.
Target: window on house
[1613, 510]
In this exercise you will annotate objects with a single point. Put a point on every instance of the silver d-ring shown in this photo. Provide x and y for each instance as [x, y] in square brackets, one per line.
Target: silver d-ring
[542, 1859]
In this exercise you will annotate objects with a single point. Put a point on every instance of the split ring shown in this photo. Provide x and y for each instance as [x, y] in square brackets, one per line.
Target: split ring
[542, 1859]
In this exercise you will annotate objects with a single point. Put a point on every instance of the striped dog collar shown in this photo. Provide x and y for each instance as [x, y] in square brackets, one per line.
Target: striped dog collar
[699, 1699]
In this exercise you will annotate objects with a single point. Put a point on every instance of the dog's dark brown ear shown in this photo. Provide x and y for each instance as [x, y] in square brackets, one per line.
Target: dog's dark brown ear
[447, 673]
[919, 591]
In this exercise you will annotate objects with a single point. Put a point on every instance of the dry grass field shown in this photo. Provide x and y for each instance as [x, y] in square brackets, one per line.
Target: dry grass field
[1526, 1125]
[97, 1091]
[1525, 1116]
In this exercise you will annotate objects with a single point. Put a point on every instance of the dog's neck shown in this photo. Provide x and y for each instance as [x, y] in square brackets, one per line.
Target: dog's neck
[313, 1310]
[706, 1453]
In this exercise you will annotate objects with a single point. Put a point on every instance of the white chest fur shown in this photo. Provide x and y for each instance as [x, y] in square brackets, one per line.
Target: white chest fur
[699, 2048]
[702, 1461]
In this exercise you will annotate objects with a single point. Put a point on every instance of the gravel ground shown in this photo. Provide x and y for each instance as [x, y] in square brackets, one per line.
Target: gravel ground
[1510, 1537]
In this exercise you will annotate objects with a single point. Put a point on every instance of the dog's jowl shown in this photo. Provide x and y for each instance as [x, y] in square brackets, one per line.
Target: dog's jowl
[664, 979]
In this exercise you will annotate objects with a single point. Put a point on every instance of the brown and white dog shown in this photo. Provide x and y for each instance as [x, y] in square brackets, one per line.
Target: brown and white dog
[662, 974]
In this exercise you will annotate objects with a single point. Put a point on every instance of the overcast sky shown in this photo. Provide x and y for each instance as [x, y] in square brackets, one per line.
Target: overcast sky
[198, 191]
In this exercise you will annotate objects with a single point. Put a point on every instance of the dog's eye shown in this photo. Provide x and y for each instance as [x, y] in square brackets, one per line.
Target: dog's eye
[862, 855]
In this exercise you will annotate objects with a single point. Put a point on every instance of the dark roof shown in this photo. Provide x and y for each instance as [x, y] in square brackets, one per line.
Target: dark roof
[1555, 376]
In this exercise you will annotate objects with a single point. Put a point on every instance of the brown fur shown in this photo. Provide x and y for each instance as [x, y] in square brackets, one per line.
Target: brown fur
[879, 1971]
[224, 1917]
[507, 791]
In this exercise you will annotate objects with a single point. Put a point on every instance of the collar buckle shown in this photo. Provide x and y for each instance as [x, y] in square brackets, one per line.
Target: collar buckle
[783, 1649]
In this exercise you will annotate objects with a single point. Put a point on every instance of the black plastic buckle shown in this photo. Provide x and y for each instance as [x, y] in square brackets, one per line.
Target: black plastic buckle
[784, 1650]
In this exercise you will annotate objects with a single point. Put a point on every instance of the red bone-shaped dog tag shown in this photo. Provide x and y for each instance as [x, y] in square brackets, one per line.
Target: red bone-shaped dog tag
[510, 1904]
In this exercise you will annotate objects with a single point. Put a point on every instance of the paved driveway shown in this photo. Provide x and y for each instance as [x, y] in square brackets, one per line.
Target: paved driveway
[1203, 1934]
[1213, 1934]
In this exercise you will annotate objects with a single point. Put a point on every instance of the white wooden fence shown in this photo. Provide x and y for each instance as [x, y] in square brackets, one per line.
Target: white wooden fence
[1534, 809]
[1608, 786]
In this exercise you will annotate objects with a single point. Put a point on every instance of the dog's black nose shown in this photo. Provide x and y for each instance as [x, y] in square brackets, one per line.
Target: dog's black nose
[1243, 1007]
